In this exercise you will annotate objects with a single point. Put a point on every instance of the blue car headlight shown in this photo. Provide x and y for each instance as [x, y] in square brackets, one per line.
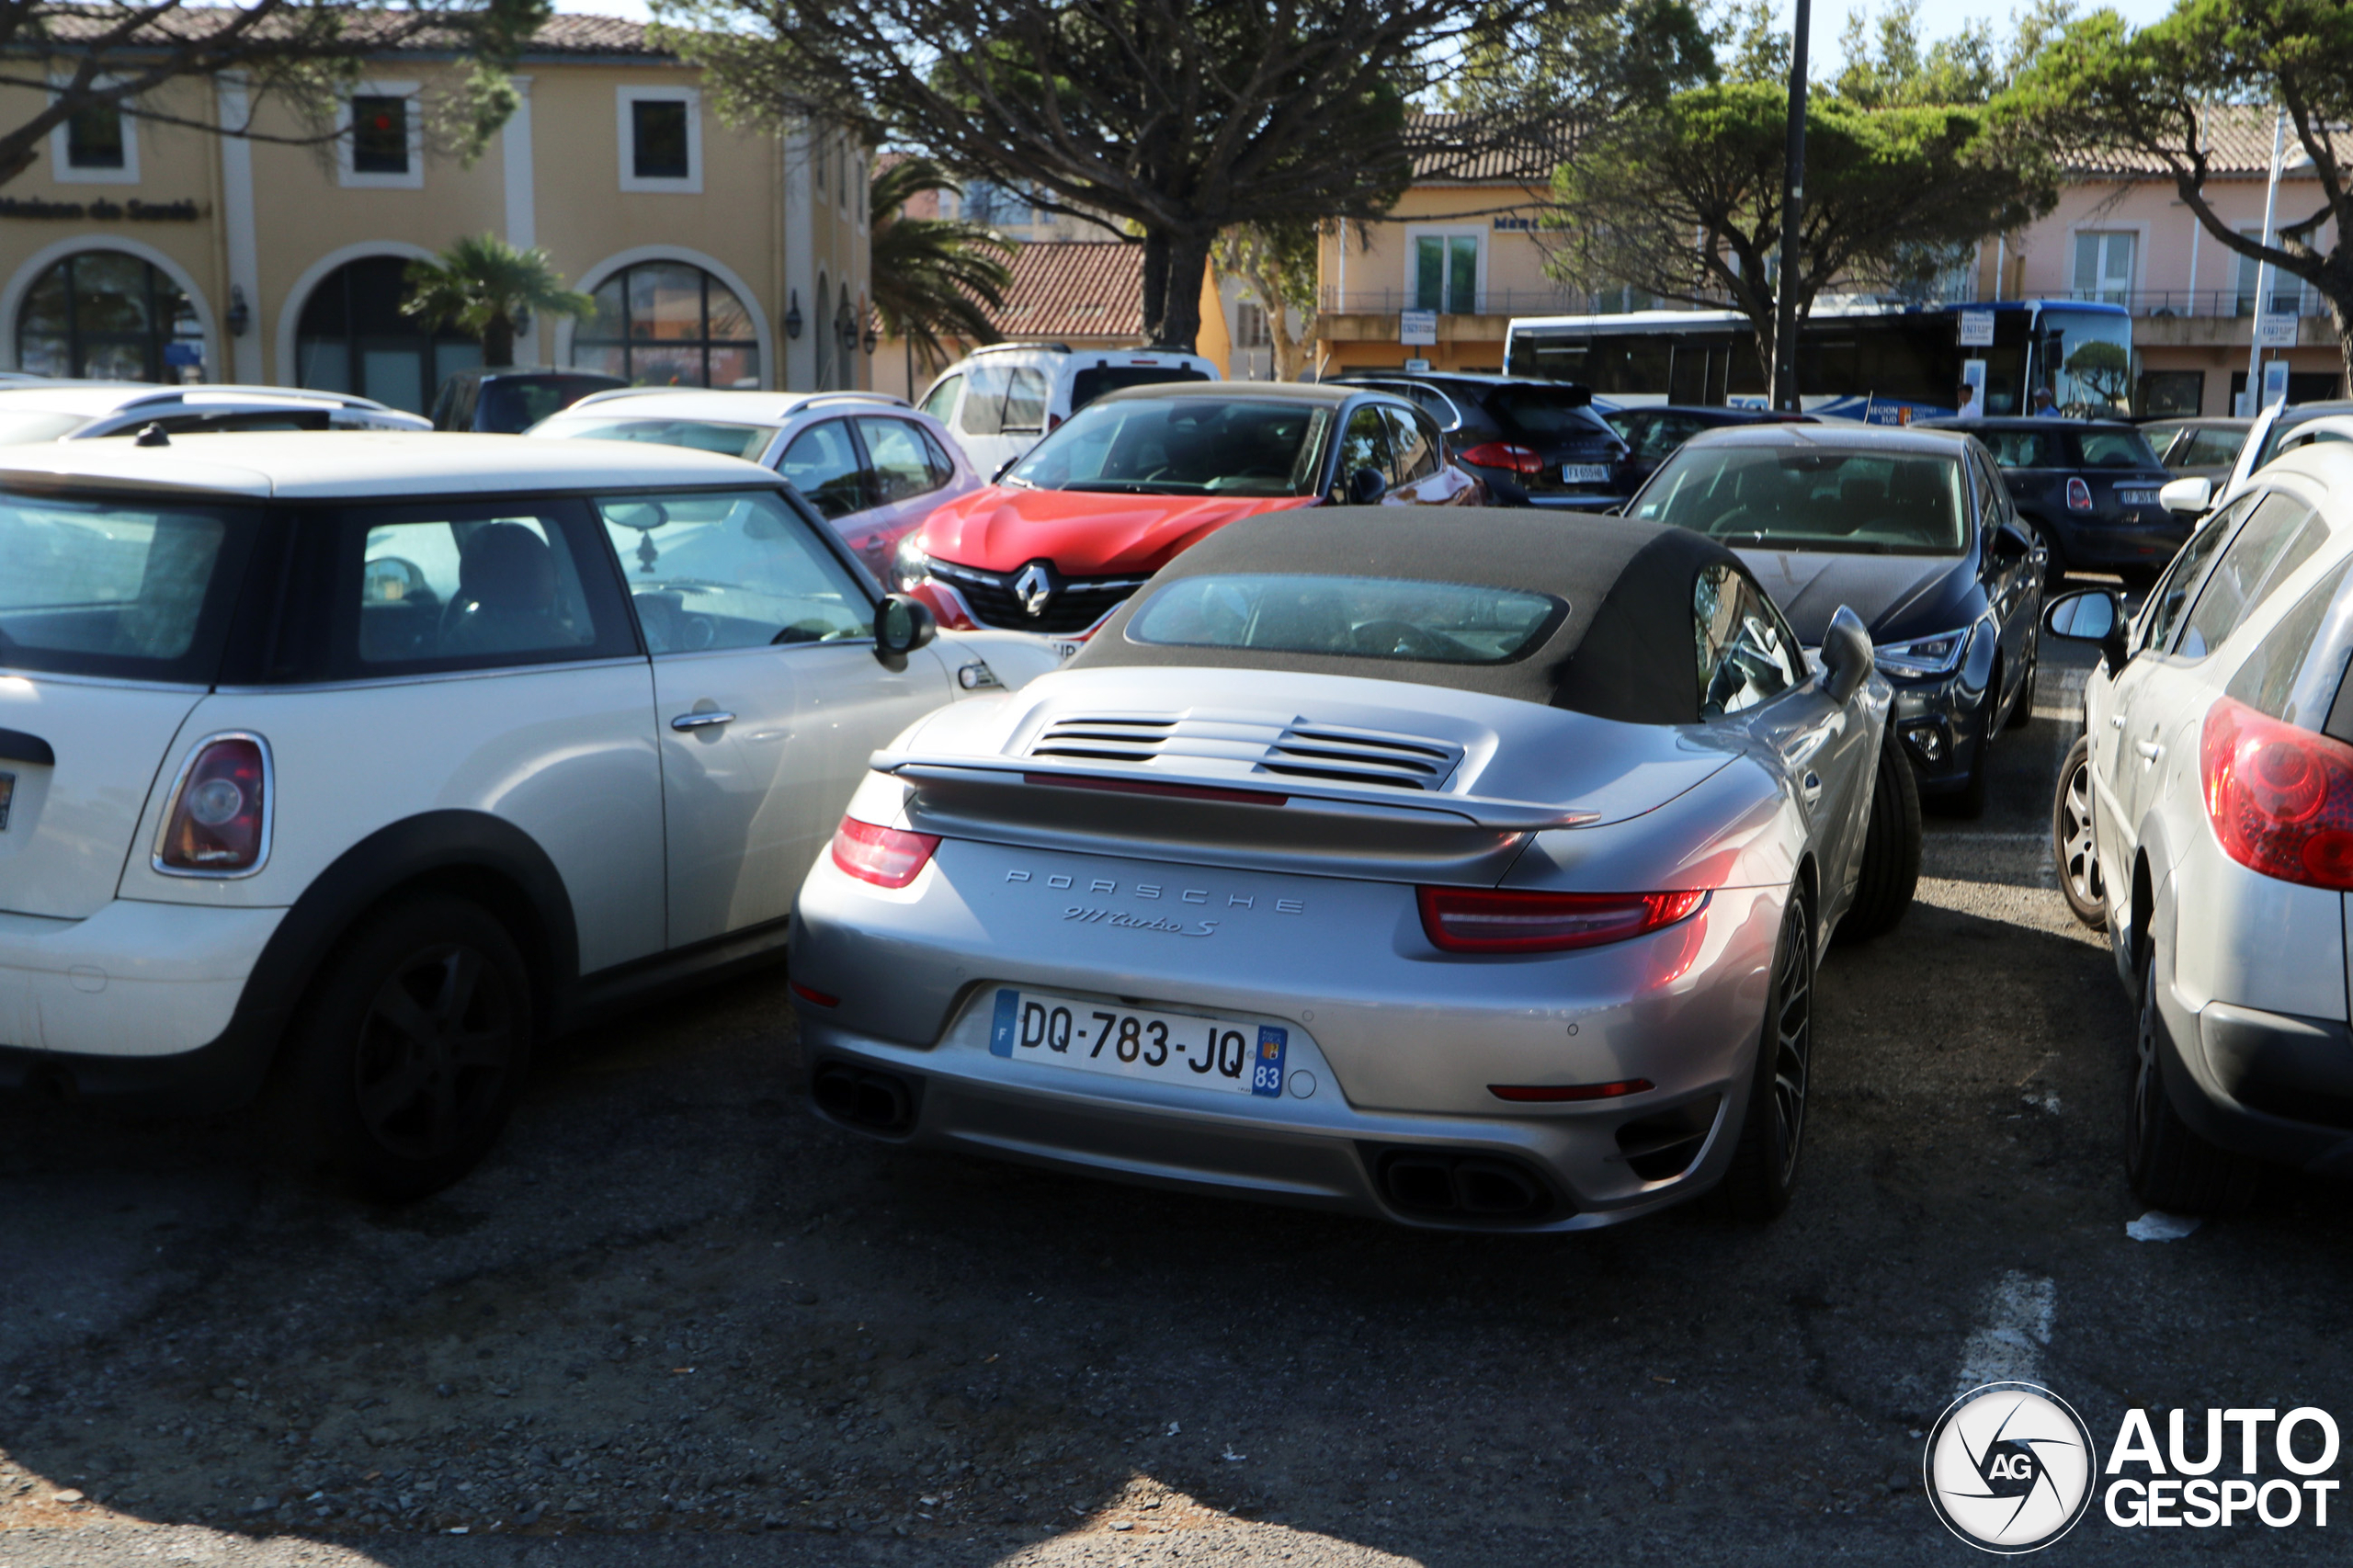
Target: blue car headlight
[1923, 658]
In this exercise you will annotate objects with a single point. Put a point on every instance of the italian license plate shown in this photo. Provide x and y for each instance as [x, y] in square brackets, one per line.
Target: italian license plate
[1584, 474]
[1129, 1042]
[7, 793]
[2137, 497]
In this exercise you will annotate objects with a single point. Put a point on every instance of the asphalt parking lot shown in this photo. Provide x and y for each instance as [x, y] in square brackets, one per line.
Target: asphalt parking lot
[678, 1319]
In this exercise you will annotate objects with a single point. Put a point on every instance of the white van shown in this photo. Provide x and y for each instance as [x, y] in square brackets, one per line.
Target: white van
[1000, 400]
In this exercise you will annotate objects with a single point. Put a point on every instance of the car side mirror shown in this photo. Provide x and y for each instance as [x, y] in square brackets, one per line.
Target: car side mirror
[1846, 656]
[902, 625]
[2012, 543]
[2189, 496]
[1001, 469]
[2089, 615]
[1366, 487]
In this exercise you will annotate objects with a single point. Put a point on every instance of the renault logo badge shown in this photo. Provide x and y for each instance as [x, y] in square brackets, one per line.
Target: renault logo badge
[1034, 587]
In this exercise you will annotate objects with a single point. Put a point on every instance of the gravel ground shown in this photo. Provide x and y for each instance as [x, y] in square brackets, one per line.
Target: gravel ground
[678, 1320]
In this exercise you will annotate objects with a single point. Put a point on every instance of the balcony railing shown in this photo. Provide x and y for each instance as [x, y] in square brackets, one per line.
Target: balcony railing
[1485, 303]
[2286, 299]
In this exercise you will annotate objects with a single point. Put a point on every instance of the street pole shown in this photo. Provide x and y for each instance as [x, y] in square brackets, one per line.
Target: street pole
[1785, 303]
[2263, 268]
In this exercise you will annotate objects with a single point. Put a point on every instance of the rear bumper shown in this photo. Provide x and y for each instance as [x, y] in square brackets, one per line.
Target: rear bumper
[148, 1004]
[2270, 1085]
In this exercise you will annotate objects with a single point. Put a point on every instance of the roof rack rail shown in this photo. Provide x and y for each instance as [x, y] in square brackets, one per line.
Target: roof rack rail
[1035, 346]
[892, 399]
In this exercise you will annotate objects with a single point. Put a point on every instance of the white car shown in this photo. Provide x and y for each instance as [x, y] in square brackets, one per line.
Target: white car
[363, 763]
[70, 410]
[1002, 400]
[2206, 818]
[871, 465]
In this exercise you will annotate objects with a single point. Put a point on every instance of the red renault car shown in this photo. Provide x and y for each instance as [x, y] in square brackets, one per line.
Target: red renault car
[1071, 529]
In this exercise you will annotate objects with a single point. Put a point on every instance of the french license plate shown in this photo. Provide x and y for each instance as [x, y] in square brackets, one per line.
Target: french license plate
[1584, 474]
[1129, 1042]
[2137, 497]
[1064, 651]
[7, 793]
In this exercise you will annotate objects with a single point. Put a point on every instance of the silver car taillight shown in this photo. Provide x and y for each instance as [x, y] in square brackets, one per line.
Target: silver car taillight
[216, 821]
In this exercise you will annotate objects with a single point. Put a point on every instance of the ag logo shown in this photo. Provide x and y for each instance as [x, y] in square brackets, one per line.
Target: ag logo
[2010, 1468]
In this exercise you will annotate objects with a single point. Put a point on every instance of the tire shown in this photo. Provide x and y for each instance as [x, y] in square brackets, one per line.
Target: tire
[2054, 564]
[1969, 801]
[410, 1049]
[2169, 1165]
[2072, 848]
[2022, 706]
[1765, 1163]
[1891, 867]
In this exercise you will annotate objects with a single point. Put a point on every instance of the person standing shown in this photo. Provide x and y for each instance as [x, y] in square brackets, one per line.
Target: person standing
[1970, 405]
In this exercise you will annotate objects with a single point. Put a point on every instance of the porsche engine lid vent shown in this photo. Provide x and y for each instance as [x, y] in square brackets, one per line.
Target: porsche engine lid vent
[1252, 745]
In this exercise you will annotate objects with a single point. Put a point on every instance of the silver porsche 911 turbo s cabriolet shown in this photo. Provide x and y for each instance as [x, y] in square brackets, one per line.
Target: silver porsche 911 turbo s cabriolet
[1461, 876]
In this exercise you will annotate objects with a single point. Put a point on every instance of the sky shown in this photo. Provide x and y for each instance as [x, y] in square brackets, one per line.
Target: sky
[1941, 17]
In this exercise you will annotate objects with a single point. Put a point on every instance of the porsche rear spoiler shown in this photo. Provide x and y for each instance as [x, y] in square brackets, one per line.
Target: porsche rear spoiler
[1290, 795]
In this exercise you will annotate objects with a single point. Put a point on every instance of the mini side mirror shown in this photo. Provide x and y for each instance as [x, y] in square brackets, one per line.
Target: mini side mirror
[2189, 496]
[1366, 487]
[1845, 655]
[902, 625]
[2089, 615]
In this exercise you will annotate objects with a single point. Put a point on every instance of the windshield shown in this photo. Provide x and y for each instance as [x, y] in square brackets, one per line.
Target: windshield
[698, 434]
[1778, 498]
[1183, 446]
[19, 428]
[1372, 617]
[124, 589]
[730, 570]
[517, 403]
[2090, 361]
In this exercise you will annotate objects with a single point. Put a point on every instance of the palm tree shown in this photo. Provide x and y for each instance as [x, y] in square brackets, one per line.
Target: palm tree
[488, 290]
[933, 277]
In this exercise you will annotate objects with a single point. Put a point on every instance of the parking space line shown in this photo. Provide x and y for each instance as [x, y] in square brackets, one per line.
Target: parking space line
[2008, 1347]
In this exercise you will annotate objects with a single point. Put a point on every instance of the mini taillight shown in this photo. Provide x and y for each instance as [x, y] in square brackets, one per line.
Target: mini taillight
[2281, 798]
[887, 857]
[1460, 920]
[1503, 455]
[1053, 423]
[217, 824]
[1553, 1094]
[2079, 496]
[815, 997]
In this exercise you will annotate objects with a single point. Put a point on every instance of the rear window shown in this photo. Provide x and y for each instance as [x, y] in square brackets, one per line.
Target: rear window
[2022, 449]
[2114, 449]
[138, 591]
[1094, 381]
[1539, 414]
[1369, 617]
[698, 434]
[514, 403]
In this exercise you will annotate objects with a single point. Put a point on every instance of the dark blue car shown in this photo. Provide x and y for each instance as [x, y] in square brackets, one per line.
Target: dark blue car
[1915, 532]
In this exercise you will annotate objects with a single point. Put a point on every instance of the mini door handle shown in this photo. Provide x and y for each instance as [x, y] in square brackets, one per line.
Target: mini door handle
[2150, 751]
[700, 720]
[2116, 721]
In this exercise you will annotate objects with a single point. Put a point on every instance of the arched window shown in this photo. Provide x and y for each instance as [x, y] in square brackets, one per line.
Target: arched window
[824, 339]
[352, 337]
[111, 317]
[667, 323]
[846, 332]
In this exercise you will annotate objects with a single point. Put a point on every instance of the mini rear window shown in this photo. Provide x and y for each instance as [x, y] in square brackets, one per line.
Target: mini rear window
[1094, 381]
[129, 589]
[1369, 617]
[2116, 449]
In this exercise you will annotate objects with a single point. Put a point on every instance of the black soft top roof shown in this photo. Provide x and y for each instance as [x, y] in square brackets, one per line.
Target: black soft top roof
[1623, 651]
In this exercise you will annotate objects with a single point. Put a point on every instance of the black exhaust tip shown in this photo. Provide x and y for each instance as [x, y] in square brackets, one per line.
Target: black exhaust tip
[871, 1101]
[1444, 1183]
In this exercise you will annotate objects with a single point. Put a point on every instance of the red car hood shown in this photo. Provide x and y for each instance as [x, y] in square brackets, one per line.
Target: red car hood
[1085, 533]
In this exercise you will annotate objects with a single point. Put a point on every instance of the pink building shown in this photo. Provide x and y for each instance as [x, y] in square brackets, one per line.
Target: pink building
[2122, 233]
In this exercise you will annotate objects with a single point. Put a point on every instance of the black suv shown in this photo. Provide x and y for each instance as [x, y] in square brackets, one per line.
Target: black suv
[1653, 431]
[1535, 443]
[2090, 487]
[510, 399]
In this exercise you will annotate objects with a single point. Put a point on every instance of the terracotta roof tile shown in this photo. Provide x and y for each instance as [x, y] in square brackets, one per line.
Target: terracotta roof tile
[1526, 157]
[2239, 144]
[572, 35]
[1075, 288]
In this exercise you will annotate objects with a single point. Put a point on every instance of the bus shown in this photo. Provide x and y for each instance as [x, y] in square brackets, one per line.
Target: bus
[1856, 359]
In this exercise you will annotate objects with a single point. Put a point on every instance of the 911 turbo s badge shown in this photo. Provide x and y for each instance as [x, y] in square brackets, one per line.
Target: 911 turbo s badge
[1123, 922]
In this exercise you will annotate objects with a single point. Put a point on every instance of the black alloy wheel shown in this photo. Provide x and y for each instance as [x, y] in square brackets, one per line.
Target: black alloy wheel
[1772, 1136]
[412, 1049]
[1890, 872]
[2073, 850]
[2168, 1163]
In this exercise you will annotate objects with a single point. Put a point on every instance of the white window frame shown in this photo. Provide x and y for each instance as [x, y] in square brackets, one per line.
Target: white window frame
[352, 178]
[2140, 233]
[1415, 232]
[625, 130]
[61, 147]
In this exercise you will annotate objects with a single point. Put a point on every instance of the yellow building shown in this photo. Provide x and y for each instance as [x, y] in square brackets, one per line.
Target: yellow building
[1440, 278]
[140, 250]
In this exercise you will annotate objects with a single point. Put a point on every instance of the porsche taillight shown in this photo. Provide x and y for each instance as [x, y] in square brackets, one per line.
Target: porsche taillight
[1465, 920]
[1504, 455]
[2281, 799]
[887, 857]
[217, 822]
